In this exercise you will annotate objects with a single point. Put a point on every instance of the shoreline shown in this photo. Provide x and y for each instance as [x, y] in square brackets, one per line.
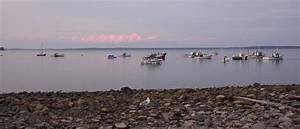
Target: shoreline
[254, 106]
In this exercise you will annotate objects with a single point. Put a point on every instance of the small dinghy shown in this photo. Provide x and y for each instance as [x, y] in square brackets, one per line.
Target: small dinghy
[225, 59]
[275, 56]
[58, 55]
[41, 54]
[125, 55]
[111, 56]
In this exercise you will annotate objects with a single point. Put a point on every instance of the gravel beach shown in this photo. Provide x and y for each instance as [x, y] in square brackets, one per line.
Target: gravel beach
[248, 107]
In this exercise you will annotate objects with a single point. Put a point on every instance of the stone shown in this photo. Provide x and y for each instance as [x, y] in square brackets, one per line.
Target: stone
[121, 125]
[167, 104]
[259, 125]
[166, 116]
[189, 123]
[105, 110]
[220, 97]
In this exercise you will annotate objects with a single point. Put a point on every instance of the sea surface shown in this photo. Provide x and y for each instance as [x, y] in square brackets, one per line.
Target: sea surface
[90, 70]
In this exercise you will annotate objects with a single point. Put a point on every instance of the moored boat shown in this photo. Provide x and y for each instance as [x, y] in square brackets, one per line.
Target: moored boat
[275, 56]
[126, 55]
[41, 54]
[111, 56]
[58, 55]
[151, 61]
[199, 55]
[257, 55]
[240, 56]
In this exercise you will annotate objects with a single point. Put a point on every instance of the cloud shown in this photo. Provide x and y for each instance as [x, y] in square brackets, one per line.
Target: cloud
[111, 38]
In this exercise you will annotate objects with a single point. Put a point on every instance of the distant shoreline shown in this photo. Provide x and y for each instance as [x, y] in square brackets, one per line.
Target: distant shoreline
[162, 48]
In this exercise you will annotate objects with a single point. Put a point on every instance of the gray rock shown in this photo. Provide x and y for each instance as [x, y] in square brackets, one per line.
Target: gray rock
[189, 123]
[121, 125]
[220, 97]
[259, 125]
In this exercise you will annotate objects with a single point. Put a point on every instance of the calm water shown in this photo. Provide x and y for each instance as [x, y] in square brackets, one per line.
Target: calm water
[23, 71]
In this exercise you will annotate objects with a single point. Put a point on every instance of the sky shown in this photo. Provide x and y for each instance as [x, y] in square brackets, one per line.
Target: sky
[148, 23]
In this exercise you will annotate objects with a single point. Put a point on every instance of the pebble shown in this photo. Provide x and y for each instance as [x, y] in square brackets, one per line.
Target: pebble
[121, 125]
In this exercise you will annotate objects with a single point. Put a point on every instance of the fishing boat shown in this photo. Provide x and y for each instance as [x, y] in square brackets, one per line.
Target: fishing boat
[240, 56]
[154, 58]
[275, 56]
[58, 55]
[125, 55]
[199, 55]
[111, 56]
[160, 55]
[257, 55]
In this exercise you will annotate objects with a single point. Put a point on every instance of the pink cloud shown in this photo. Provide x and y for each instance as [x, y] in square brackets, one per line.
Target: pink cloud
[111, 38]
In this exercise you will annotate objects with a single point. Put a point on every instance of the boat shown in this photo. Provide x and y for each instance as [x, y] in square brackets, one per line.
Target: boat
[58, 55]
[240, 56]
[225, 59]
[199, 55]
[154, 58]
[2, 48]
[125, 55]
[151, 61]
[257, 55]
[111, 56]
[275, 56]
[42, 53]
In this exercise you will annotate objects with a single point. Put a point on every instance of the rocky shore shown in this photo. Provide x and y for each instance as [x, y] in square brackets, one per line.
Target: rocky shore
[249, 107]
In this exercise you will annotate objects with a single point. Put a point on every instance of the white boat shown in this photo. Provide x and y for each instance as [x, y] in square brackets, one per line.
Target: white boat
[257, 55]
[151, 61]
[275, 56]
[240, 56]
[199, 55]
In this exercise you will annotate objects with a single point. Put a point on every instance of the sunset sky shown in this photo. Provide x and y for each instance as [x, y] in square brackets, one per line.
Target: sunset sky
[148, 23]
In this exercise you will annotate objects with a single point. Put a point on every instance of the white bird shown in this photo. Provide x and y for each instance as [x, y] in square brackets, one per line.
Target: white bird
[145, 102]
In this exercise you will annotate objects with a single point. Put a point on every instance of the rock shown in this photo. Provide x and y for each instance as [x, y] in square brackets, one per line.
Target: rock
[167, 104]
[187, 105]
[296, 104]
[285, 119]
[220, 97]
[121, 125]
[43, 125]
[285, 125]
[251, 116]
[189, 123]
[126, 90]
[259, 125]
[166, 116]
[256, 84]
[105, 110]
